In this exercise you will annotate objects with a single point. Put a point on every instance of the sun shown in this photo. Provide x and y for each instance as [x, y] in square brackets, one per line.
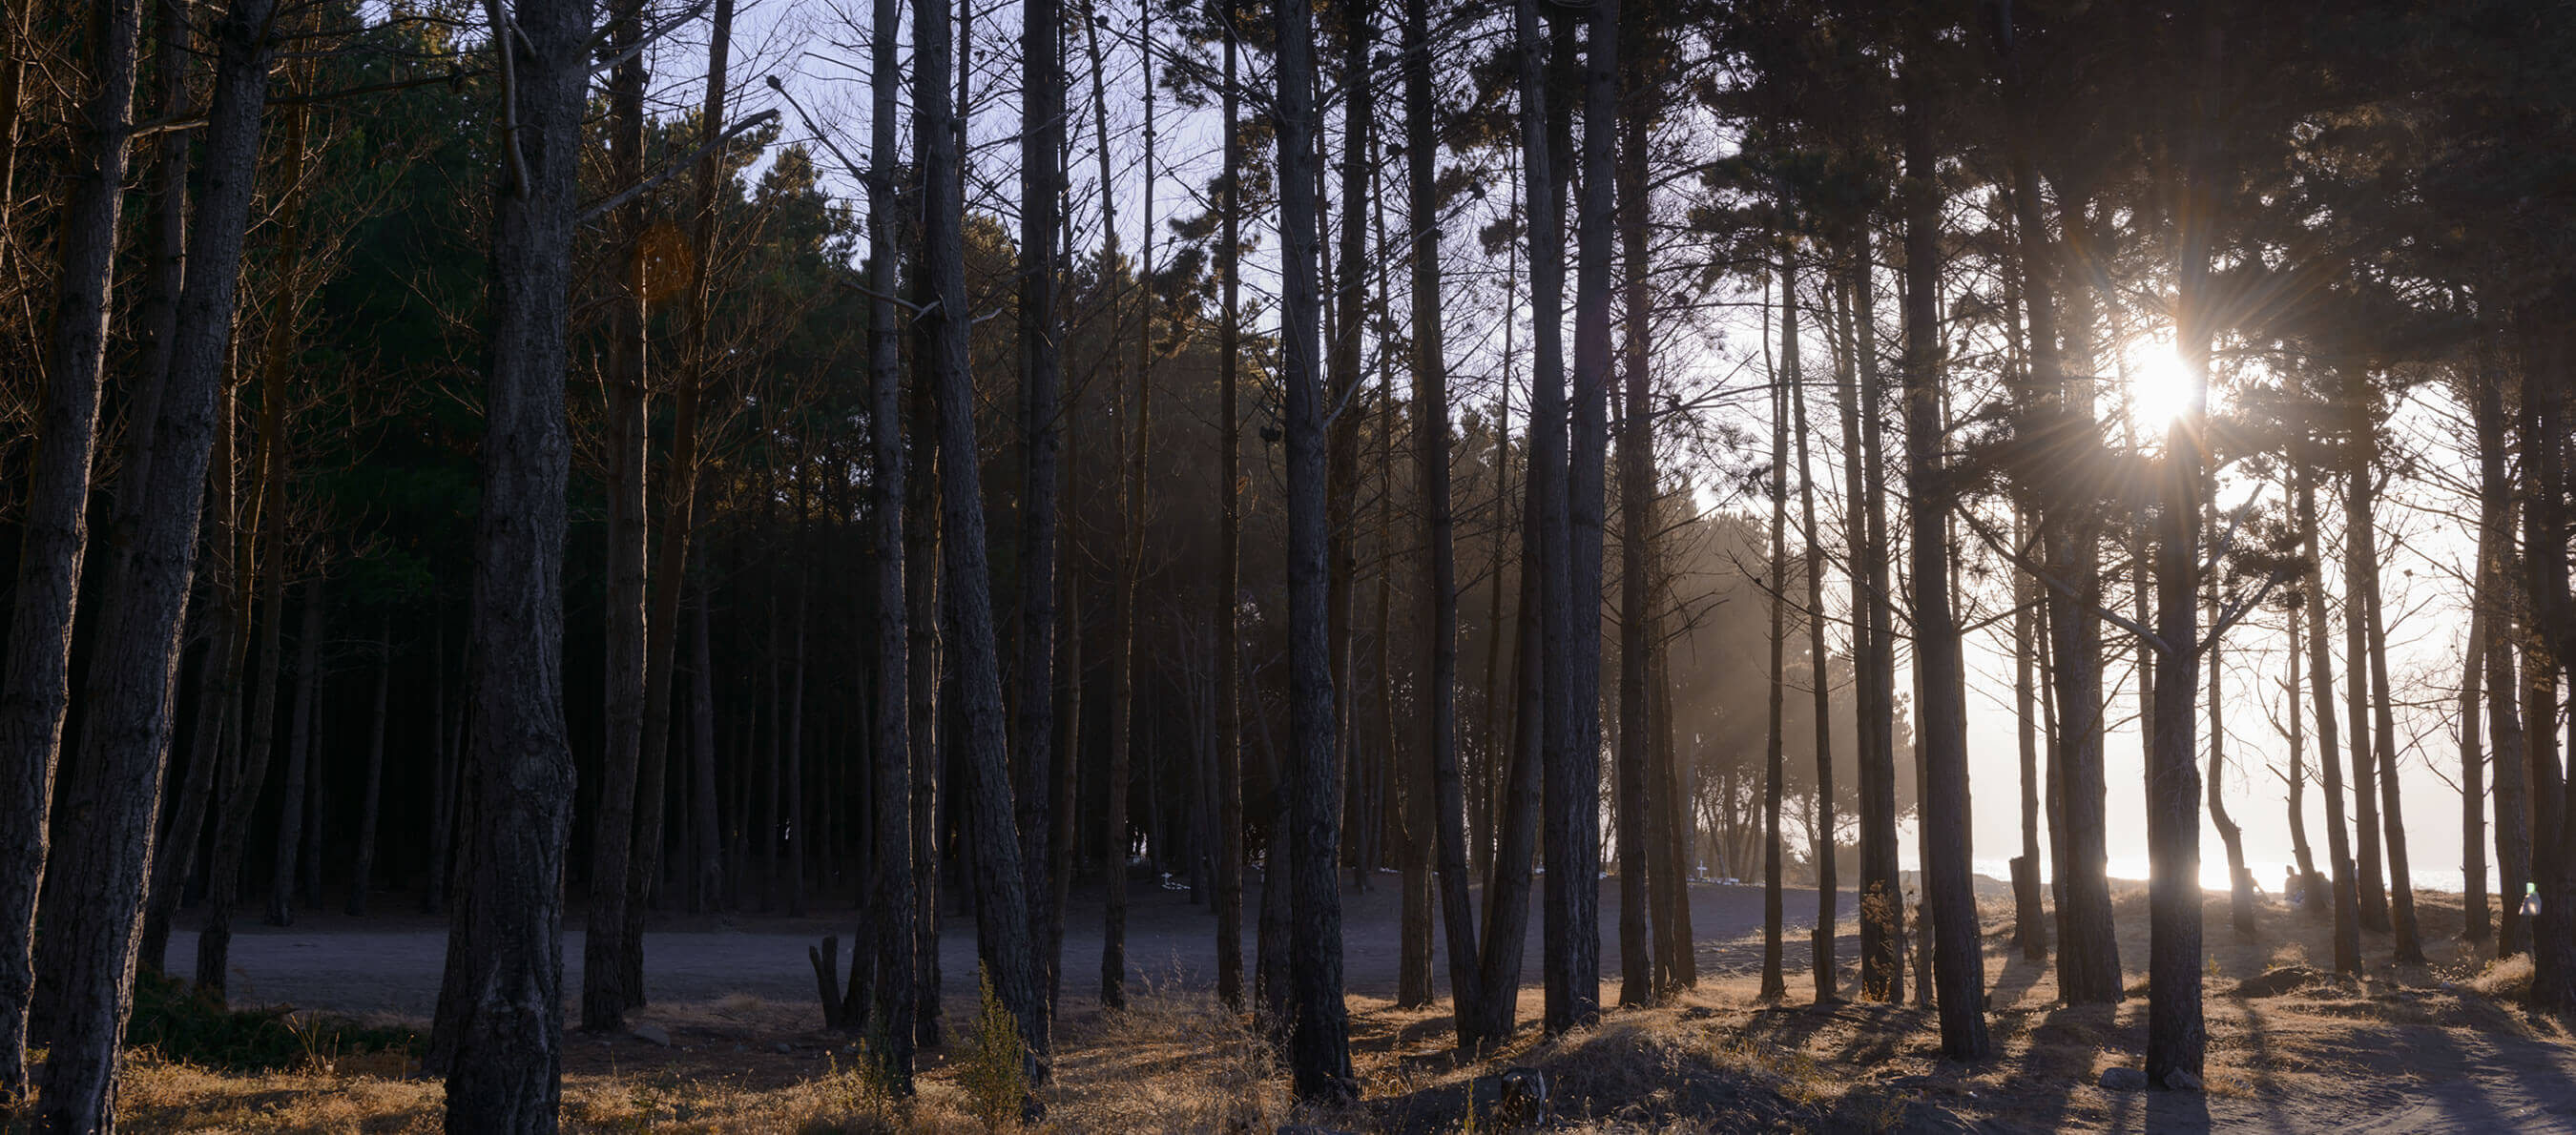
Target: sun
[2160, 386]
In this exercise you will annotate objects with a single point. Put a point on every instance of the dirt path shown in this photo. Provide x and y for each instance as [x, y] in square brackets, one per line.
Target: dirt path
[390, 964]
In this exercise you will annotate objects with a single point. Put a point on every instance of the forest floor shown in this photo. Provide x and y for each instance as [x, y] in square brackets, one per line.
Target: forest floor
[2439, 1048]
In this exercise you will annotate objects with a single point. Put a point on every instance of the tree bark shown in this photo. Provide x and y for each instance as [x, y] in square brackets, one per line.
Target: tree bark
[1574, 770]
[1441, 818]
[54, 528]
[1775, 588]
[361, 874]
[893, 999]
[2361, 583]
[1958, 965]
[612, 839]
[299, 745]
[1042, 110]
[504, 947]
[2503, 692]
[1001, 905]
[1882, 908]
[1229, 632]
[2240, 882]
[2552, 643]
[1821, 963]
[2347, 910]
[2356, 659]
[2312, 884]
[1319, 1038]
[2029, 919]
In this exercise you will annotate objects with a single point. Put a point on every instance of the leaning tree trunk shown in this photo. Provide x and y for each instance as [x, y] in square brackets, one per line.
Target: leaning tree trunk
[54, 528]
[621, 955]
[2347, 910]
[504, 1068]
[2361, 582]
[2240, 881]
[1958, 965]
[217, 727]
[1320, 1054]
[94, 887]
[1001, 906]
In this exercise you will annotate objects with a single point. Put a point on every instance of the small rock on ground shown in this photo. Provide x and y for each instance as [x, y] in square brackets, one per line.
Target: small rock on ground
[2123, 1079]
[652, 1034]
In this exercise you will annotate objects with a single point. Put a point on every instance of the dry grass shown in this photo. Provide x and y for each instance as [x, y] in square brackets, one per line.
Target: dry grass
[2313, 1058]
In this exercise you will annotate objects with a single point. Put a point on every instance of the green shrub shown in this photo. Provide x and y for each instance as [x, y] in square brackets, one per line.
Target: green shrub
[188, 1024]
[992, 1066]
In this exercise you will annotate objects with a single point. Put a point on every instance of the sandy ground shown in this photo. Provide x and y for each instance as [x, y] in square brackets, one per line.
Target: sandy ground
[389, 964]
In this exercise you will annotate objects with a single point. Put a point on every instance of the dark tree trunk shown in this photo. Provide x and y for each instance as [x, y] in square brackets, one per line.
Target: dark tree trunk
[1774, 985]
[1821, 939]
[504, 1071]
[1343, 323]
[1229, 633]
[1574, 765]
[54, 526]
[895, 994]
[362, 873]
[299, 744]
[2029, 918]
[2476, 908]
[2240, 882]
[2176, 1037]
[1882, 908]
[2553, 642]
[444, 743]
[2495, 600]
[1441, 816]
[612, 841]
[1958, 965]
[1320, 1054]
[2312, 885]
[2356, 672]
[1001, 906]
[1042, 108]
[2361, 582]
[667, 576]
[2347, 910]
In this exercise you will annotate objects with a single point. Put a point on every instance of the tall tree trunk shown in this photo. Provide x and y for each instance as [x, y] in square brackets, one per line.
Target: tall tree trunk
[1229, 632]
[362, 873]
[1441, 816]
[612, 842]
[1131, 570]
[299, 744]
[1001, 905]
[2029, 919]
[2361, 584]
[1574, 767]
[1775, 588]
[505, 947]
[1882, 907]
[2312, 886]
[2356, 671]
[55, 526]
[217, 727]
[2503, 693]
[895, 994]
[238, 793]
[925, 684]
[1958, 965]
[1643, 888]
[1042, 109]
[2476, 908]
[1320, 1055]
[1344, 322]
[1676, 946]
[2553, 642]
[2240, 881]
[2176, 1037]
[442, 773]
[2347, 909]
[1821, 962]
